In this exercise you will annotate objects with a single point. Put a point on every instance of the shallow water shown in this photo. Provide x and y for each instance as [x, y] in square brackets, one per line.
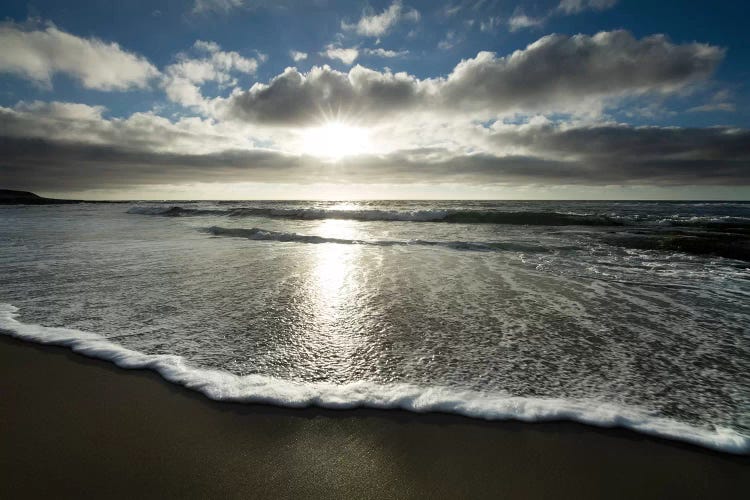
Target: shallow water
[632, 313]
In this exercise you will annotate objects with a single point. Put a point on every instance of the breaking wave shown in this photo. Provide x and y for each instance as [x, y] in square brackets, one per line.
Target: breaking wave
[224, 386]
[258, 234]
[449, 216]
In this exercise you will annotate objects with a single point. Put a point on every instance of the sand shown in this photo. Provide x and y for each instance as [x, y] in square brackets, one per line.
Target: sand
[72, 426]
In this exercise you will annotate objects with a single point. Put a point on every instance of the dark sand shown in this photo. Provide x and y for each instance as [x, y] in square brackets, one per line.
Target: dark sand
[71, 426]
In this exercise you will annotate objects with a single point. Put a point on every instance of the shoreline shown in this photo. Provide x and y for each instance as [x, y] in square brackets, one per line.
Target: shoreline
[226, 387]
[73, 425]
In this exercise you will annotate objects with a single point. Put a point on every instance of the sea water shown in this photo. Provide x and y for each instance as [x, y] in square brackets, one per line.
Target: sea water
[632, 314]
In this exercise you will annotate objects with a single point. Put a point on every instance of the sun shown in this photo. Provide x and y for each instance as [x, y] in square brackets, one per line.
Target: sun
[335, 140]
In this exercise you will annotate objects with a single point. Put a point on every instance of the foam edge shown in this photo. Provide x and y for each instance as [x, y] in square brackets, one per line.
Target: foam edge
[224, 386]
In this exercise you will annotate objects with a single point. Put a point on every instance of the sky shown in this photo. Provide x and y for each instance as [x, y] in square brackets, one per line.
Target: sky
[326, 99]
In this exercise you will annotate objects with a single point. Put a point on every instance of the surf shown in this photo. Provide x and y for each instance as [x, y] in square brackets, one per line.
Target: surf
[221, 385]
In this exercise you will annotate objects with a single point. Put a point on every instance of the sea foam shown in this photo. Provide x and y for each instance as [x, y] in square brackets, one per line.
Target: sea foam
[224, 386]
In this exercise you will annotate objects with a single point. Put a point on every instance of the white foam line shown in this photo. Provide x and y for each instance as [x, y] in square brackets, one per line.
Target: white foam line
[224, 386]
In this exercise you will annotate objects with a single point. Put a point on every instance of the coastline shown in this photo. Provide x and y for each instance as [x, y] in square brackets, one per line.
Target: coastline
[72, 425]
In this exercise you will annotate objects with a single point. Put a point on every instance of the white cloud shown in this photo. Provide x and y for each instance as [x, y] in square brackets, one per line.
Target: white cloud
[375, 25]
[577, 6]
[379, 52]
[345, 55]
[519, 20]
[183, 79]
[216, 5]
[297, 56]
[450, 10]
[38, 55]
[207, 46]
[75, 123]
[719, 101]
[450, 41]
[490, 24]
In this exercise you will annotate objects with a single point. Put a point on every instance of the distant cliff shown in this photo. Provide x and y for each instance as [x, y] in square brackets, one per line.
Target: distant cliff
[10, 197]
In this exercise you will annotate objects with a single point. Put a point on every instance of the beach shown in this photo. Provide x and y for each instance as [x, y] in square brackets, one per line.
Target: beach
[74, 426]
[386, 249]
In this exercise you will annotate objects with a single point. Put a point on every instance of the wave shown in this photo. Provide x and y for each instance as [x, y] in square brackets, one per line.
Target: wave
[720, 244]
[224, 386]
[448, 216]
[258, 234]
[727, 224]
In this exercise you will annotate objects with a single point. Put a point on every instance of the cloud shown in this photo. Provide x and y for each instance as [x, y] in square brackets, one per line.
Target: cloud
[450, 10]
[626, 155]
[627, 144]
[345, 55]
[718, 106]
[65, 146]
[49, 165]
[216, 5]
[297, 56]
[720, 101]
[295, 98]
[519, 20]
[490, 24]
[73, 122]
[668, 158]
[556, 73]
[204, 7]
[39, 54]
[577, 6]
[183, 79]
[380, 52]
[449, 41]
[375, 25]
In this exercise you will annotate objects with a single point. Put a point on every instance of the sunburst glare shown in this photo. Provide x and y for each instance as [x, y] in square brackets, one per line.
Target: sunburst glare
[335, 140]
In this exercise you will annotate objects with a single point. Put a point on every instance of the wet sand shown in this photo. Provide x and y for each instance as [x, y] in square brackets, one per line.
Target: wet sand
[71, 426]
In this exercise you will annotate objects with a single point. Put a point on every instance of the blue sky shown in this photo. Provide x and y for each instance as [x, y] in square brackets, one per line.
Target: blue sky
[605, 98]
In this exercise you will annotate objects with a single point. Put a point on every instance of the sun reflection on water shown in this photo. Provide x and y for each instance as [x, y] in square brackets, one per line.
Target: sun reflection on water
[332, 265]
[333, 333]
[336, 268]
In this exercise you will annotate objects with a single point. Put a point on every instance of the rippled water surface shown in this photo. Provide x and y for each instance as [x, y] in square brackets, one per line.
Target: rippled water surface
[643, 306]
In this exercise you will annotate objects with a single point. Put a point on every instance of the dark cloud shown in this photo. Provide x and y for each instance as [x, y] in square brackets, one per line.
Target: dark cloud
[585, 156]
[556, 73]
[296, 98]
[43, 164]
[621, 143]
[557, 70]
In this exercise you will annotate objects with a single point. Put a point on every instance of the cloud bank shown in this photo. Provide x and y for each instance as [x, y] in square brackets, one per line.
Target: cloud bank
[454, 128]
[150, 150]
[557, 73]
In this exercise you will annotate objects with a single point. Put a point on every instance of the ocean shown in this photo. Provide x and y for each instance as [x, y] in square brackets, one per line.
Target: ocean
[628, 314]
